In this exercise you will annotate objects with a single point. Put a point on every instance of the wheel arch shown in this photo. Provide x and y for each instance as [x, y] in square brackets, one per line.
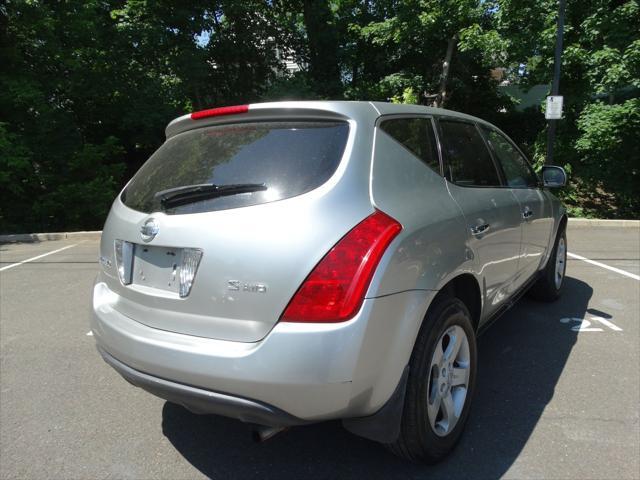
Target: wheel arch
[562, 224]
[384, 425]
[466, 288]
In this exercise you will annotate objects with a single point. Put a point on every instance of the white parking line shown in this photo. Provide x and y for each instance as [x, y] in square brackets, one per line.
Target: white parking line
[602, 265]
[38, 257]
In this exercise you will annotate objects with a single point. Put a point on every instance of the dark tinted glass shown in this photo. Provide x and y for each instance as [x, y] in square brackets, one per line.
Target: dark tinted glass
[416, 135]
[468, 160]
[291, 158]
[516, 168]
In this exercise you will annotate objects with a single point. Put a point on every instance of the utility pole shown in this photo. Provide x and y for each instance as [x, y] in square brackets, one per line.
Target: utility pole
[555, 86]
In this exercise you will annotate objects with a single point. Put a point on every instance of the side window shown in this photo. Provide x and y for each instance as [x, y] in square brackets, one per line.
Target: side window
[516, 169]
[468, 162]
[416, 135]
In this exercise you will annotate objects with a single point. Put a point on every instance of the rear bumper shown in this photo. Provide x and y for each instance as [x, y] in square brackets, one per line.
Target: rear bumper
[312, 372]
[204, 401]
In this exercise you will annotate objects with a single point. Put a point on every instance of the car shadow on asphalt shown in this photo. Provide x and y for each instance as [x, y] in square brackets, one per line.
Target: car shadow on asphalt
[521, 359]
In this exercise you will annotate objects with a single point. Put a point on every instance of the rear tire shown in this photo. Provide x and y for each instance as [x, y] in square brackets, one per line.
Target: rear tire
[442, 373]
[548, 288]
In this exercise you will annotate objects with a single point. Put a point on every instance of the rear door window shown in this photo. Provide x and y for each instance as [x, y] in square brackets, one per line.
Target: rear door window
[517, 170]
[289, 157]
[468, 162]
[416, 135]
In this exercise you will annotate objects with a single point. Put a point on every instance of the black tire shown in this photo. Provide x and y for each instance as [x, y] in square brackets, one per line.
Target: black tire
[418, 441]
[546, 288]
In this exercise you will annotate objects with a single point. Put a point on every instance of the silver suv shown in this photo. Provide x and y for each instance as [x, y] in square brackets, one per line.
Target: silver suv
[289, 263]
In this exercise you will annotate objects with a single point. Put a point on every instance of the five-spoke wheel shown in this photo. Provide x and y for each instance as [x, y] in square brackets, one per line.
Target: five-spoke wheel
[442, 375]
[448, 380]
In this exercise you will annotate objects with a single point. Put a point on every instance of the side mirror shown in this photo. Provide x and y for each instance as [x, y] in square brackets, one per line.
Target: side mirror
[553, 176]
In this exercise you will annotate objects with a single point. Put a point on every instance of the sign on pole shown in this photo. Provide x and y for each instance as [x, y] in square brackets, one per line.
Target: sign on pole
[554, 107]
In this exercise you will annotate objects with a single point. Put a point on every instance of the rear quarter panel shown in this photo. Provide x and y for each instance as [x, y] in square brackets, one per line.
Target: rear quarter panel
[431, 246]
[429, 251]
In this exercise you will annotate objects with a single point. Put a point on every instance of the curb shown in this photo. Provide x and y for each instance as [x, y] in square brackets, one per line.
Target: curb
[587, 222]
[43, 237]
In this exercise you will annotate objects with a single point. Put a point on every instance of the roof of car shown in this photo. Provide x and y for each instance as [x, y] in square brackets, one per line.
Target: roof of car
[386, 108]
[350, 109]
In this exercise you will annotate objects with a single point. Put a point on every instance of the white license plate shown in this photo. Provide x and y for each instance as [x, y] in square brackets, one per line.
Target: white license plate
[157, 267]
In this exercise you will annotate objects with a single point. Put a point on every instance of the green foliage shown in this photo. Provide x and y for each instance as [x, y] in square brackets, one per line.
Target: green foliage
[597, 139]
[399, 88]
[609, 152]
[409, 96]
[17, 179]
[408, 40]
[290, 87]
[87, 87]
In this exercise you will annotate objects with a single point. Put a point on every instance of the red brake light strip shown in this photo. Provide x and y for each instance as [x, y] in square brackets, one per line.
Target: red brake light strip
[217, 112]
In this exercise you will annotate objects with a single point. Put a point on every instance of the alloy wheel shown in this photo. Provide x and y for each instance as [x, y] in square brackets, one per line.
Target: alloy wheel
[448, 380]
[561, 258]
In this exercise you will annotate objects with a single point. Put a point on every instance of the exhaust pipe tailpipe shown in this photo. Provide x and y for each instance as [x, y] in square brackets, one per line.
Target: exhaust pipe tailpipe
[261, 433]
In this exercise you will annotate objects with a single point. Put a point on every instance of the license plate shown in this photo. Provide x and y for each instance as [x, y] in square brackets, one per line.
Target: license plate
[157, 267]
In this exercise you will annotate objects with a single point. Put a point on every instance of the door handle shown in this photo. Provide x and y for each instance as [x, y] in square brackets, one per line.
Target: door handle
[480, 229]
[527, 213]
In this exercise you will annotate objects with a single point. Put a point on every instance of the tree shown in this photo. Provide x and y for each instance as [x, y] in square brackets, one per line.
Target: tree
[322, 42]
[423, 48]
[58, 112]
[600, 80]
[87, 87]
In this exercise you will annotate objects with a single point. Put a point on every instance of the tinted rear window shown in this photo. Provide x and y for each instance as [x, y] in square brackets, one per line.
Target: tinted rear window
[290, 158]
[416, 135]
[516, 169]
[468, 161]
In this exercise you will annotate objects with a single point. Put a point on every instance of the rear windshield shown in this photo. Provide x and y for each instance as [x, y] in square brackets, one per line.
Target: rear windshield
[289, 157]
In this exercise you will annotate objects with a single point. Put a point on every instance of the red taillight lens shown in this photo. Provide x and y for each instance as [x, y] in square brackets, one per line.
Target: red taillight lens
[335, 289]
[216, 112]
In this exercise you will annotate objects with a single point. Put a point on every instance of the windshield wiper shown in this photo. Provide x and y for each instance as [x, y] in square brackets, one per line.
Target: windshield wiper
[174, 197]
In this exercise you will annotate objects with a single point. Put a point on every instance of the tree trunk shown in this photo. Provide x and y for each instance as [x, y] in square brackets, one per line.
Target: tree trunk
[441, 98]
[323, 47]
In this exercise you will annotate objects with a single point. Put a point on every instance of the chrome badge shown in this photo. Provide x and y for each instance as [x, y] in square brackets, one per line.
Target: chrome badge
[149, 229]
[237, 286]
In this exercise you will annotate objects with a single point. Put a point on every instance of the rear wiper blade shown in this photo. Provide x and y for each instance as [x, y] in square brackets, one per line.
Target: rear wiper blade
[174, 197]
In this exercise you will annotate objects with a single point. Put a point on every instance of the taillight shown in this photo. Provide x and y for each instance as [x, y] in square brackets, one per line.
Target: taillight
[335, 288]
[216, 112]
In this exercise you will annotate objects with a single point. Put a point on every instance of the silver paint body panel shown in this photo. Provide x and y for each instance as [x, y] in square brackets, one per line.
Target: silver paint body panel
[230, 341]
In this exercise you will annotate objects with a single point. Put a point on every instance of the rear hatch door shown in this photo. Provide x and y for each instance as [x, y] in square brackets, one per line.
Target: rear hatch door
[225, 266]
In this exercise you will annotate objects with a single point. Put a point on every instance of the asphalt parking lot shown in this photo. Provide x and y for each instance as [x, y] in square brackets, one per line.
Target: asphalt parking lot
[558, 393]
